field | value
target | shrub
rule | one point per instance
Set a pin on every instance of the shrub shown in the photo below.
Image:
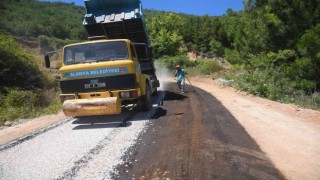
(28, 104)
(232, 56)
(209, 67)
(172, 61)
(19, 99)
(52, 43)
(17, 68)
(25, 91)
(198, 67)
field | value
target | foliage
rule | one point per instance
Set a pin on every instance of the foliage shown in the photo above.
(216, 47)
(19, 104)
(171, 61)
(52, 43)
(164, 32)
(270, 77)
(30, 18)
(199, 67)
(17, 68)
(25, 90)
(295, 17)
(277, 45)
(309, 46)
(208, 67)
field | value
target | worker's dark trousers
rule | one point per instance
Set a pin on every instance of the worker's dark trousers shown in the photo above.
(181, 85)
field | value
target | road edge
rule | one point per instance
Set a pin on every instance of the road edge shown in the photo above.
(33, 134)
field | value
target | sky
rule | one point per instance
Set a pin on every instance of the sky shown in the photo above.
(195, 7)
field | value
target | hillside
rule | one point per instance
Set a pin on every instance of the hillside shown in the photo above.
(30, 18)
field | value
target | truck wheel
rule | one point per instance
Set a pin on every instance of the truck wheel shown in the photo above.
(155, 92)
(146, 103)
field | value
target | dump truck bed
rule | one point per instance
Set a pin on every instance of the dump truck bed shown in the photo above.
(116, 19)
(120, 19)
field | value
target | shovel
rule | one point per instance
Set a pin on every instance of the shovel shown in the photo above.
(190, 84)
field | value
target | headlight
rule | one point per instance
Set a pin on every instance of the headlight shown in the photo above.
(125, 95)
(128, 94)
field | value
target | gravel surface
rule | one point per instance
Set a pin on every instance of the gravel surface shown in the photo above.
(32, 135)
(49, 155)
(112, 150)
(86, 148)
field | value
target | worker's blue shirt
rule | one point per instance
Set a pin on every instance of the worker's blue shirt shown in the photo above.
(180, 74)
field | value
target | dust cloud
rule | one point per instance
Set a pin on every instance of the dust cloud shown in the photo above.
(164, 74)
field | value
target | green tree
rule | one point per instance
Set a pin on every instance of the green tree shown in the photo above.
(295, 17)
(309, 45)
(216, 47)
(31, 18)
(164, 31)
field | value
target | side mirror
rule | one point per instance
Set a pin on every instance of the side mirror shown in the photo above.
(57, 76)
(47, 60)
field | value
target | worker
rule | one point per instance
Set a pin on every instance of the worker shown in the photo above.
(180, 77)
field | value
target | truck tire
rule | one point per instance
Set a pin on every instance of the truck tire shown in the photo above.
(146, 102)
(155, 92)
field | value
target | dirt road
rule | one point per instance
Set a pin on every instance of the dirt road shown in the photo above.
(213, 133)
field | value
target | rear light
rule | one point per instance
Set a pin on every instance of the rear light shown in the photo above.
(66, 97)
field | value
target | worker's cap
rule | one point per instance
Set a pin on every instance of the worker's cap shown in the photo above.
(178, 66)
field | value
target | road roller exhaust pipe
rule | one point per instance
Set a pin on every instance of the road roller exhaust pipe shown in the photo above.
(90, 107)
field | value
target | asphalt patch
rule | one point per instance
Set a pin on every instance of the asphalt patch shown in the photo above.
(172, 96)
(159, 112)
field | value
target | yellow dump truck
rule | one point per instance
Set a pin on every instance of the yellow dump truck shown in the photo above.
(114, 67)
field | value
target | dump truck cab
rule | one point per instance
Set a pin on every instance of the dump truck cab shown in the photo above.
(114, 67)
